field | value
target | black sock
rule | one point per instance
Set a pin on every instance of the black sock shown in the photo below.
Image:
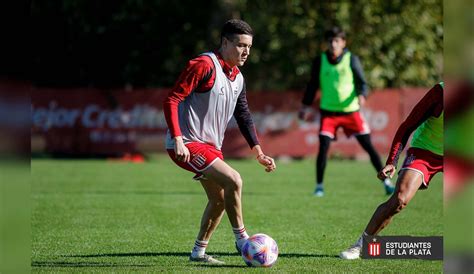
(366, 143)
(324, 142)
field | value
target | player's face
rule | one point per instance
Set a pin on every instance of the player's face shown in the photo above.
(336, 46)
(236, 51)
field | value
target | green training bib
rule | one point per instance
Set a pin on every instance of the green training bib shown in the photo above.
(337, 85)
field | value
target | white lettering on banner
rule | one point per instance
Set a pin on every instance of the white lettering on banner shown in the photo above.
(93, 116)
(108, 137)
(145, 116)
(265, 122)
(378, 120)
(275, 121)
(46, 118)
(311, 139)
(86, 117)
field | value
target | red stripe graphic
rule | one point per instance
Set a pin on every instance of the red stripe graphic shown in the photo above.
(374, 249)
(239, 230)
(200, 244)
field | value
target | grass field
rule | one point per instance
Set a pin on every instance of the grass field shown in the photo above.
(102, 216)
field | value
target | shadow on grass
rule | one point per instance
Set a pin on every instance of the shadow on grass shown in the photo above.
(147, 254)
(82, 264)
(158, 254)
(222, 266)
(306, 255)
(107, 192)
(146, 192)
(102, 264)
(186, 254)
(284, 255)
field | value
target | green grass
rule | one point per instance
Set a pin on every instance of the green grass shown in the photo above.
(100, 216)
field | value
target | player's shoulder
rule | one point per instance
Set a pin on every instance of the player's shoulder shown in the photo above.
(435, 95)
(203, 59)
(354, 56)
(201, 62)
(437, 89)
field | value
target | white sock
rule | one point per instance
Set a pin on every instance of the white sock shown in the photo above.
(240, 235)
(199, 248)
(320, 184)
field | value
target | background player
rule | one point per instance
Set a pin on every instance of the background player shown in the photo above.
(343, 91)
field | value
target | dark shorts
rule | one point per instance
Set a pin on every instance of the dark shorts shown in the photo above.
(352, 124)
(424, 162)
(202, 157)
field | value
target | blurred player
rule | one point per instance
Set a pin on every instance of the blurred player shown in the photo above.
(343, 91)
(424, 159)
(209, 92)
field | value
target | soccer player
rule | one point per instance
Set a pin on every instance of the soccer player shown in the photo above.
(339, 74)
(424, 159)
(209, 92)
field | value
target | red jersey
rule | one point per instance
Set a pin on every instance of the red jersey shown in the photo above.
(200, 76)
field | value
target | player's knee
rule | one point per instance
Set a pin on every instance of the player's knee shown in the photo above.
(401, 203)
(235, 181)
(394, 205)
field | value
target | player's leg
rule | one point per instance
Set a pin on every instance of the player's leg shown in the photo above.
(321, 161)
(203, 156)
(408, 183)
(213, 211)
(231, 183)
(366, 143)
(210, 220)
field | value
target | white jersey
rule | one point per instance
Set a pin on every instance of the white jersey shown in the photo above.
(203, 117)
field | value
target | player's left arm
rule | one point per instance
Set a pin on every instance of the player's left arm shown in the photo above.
(265, 160)
(247, 127)
(360, 83)
(430, 105)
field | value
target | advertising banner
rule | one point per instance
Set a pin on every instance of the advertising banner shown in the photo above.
(88, 121)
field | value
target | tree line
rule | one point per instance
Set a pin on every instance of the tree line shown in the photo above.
(147, 43)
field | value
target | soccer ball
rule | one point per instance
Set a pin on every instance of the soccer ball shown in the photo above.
(260, 250)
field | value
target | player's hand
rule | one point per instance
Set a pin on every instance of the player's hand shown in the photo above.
(304, 113)
(180, 150)
(362, 100)
(267, 161)
(387, 172)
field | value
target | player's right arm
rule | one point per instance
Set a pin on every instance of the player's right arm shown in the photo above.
(196, 71)
(311, 89)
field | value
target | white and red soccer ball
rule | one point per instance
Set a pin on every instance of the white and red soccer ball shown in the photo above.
(260, 250)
